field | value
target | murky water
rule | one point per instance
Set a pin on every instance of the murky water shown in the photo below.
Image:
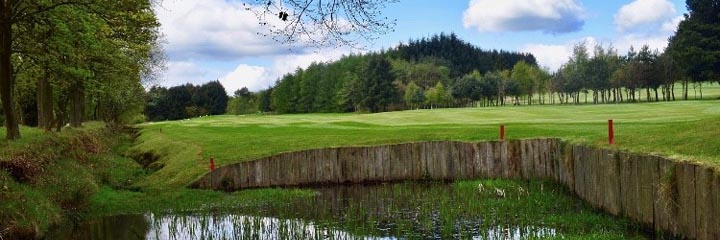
(465, 210)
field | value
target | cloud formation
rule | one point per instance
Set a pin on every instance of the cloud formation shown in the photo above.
(182, 72)
(548, 16)
(552, 56)
(644, 14)
(212, 29)
(258, 77)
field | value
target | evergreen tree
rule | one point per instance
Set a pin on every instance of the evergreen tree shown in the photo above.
(696, 46)
(376, 84)
(216, 98)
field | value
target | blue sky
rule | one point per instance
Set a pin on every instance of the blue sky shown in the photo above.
(217, 39)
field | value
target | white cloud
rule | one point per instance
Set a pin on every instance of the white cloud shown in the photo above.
(644, 14)
(630, 34)
(212, 29)
(258, 77)
(672, 25)
(182, 72)
(252, 77)
(552, 56)
(655, 42)
(549, 16)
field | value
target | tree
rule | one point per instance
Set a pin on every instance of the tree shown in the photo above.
(465, 89)
(242, 102)
(413, 96)
(437, 96)
(599, 67)
(265, 100)
(523, 73)
(13, 12)
(576, 71)
(668, 73)
(156, 101)
(488, 87)
(695, 46)
(350, 95)
(285, 95)
(458, 56)
(83, 56)
(178, 99)
(216, 98)
(376, 84)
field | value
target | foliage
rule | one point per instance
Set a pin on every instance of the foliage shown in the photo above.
(243, 102)
(185, 101)
(695, 46)
(376, 87)
(72, 61)
(413, 95)
(338, 86)
(461, 57)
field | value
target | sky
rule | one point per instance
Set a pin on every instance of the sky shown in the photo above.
(207, 40)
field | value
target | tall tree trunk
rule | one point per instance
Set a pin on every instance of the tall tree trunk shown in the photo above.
(6, 71)
(77, 106)
(701, 96)
(60, 111)
(656, 95)
(45, 103)
(672, 90)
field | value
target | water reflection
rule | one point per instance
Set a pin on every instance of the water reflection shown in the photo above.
(386, 211)
(151, 226)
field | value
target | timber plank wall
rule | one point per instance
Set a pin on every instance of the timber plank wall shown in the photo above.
(675, 197)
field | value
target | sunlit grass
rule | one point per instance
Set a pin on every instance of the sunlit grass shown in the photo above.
(685, 130)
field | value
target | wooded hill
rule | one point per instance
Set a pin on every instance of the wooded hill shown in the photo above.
(377, 81)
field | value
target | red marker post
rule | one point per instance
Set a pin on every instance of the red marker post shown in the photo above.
(502, 132)
(212, 164)
(611, 132)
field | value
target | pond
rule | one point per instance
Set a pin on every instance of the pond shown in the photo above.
(481, 209)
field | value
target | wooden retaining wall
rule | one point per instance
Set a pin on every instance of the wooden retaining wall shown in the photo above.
(674, 197)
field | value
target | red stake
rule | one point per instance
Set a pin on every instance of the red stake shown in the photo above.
(611, 132)
(212, 164)
(502, 132)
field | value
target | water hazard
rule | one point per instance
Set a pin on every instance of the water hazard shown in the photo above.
(488, 209)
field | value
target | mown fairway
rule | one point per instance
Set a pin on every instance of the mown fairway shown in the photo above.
(685, 130)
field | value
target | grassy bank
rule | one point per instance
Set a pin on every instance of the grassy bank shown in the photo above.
(107, 181)
(684, 130)
(49, 177)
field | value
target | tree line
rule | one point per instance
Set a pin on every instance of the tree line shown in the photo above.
(185, 101)
(377, 81)
(67, 61)
(443, 71)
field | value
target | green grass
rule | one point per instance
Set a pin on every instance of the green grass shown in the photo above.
(32, 135)
(685, 130)
(53, 178)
